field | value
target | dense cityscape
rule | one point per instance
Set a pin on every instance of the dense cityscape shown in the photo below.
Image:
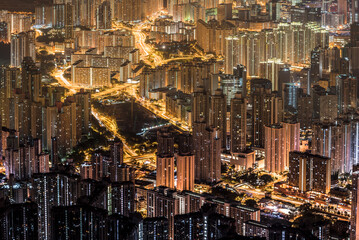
(179, 119)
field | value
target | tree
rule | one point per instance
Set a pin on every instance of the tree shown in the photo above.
(225, 193)
(305, 208)
(306, 222)
(251, 203)
(47, 67)
(224, 168)
(266, 178)
(44, 52)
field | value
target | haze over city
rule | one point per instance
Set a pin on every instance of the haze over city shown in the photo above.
(179, 119)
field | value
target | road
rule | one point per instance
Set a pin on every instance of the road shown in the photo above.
(152, 107)
(149, 53)
(111, 91)
(297, 202)
(111, 125)
(130, 155)
(59, 76)
(131, 90)
(104, 120)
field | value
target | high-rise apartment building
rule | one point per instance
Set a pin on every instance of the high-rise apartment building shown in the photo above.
(354, 34)
(238, 121)
(90, 76)
(206, 223)
(22, 45)
(267, 109)
(284, 77)
(78, 222)
(16, 22)
(4, 32)
(207, 141)
(122, 198)
(165, 159)
(347, 88)
(322, 138)
(355, 11)
(163, 202)
(200, 106)
(207, 149)
(270, 70)
(309, 172)
(127, 227)
(59, 15)
(165, 171)
(235, 48)
(43, 15)
(130, 10)
(117, 152)
(155, 228)
(9, 80)
(275, 149)
(118, 171)
(280, 139)
(305, 111)
(272, 47)
(19, 221)
(238, 212)
(104, 16)
(212, 36)
(22, 161)
(185, 172)
(218, 115)
(69, 21)
(83, 109)
(233, 84)
(292, 137)
(290, 96)
(338, 141)
(49, 190)
(185, 160)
